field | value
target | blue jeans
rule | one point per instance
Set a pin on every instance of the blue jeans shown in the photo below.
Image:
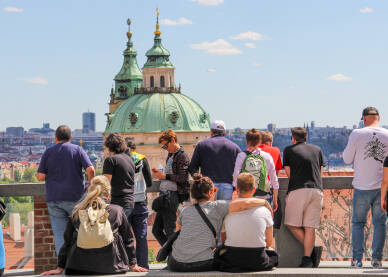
(225, 191)
(2, 249)
(138, 220)
(363, 201)
(60, 212)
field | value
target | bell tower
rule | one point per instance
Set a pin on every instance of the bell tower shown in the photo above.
(158, 71)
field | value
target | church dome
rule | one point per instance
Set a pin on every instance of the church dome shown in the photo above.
(157, 112)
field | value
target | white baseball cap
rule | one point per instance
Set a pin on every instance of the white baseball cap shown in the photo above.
(218, 125)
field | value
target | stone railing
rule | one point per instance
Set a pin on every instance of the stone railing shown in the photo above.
(334, 233)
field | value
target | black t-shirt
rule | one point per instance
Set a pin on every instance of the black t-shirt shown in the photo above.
(305, 161)
(386, 162)
(122, 169)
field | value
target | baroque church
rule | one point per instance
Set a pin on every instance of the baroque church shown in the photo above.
(144, 103)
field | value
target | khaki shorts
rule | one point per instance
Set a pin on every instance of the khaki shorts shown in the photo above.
(303, 208)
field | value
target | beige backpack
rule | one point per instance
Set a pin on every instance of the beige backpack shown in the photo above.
(94, 230)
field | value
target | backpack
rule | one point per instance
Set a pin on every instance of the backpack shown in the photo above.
(94, 230)
(140, 184)
(256, 165)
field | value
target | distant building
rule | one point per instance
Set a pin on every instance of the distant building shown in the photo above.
(271, 127)
(361, 124)
(45, 130)
(312, 125)
(88, 122)
(15, 131)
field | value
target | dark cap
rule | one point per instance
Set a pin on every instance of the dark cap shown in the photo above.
(369, 111)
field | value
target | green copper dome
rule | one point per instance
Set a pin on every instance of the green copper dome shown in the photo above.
(157, 112)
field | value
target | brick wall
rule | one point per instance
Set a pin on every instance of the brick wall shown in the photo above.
(45, 256)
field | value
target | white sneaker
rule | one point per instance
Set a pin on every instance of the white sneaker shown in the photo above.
(376, 263)
(355, 264)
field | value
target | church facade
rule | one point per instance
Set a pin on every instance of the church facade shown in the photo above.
(144, 103)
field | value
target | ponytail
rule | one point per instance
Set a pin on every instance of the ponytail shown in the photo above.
(99, 190)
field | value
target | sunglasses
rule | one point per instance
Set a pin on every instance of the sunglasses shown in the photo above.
(215, 189)
(165, 146)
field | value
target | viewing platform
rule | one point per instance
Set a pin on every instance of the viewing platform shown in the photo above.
(334, 235)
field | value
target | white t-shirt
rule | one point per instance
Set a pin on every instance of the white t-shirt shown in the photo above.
(367, 149)
(247, 228)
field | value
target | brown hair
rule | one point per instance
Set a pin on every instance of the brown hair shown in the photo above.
(168, 136)
(299, 134)
(253, 137)
(245, 182)
(115, 143)
(266, 137)
(200, 187)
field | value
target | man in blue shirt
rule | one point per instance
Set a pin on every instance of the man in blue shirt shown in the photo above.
(216, 157)
(61, 167)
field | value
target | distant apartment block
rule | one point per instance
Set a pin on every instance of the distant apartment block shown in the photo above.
(15, 131)
(88, 122)
(271, 127)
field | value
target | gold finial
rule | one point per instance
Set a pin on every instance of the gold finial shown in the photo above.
(157, 32)
(129, 34)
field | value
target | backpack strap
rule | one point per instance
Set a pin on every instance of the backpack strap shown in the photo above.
(206, 219)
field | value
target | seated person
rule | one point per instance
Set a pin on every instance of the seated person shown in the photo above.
(116, 257)
(193, 249)
(246, 235)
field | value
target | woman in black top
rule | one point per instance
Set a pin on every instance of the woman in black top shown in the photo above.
(116, 257)
(120, 170)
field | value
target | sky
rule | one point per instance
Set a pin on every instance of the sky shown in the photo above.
(247, 62)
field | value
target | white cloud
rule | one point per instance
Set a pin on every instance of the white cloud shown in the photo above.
(250, 45)
(367, 10)
(256, 64)
(209, 2)
(248, 36)
(211, 70)
(339, 77)
(291, 86)
(12, 10)
(217, 47)
(36, 80)
(260, 97)
(181, 21)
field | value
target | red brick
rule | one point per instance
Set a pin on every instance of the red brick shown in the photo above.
(38, 240)
(41, 205)
(47, 225)
(38, 212)
(44, 247)
(48, 240)
(39, 269)
(45, 212)
(53, 261)
(42, 233)
(48, 254)
(38, 226)
(41, 261)
(38, 255)
(50, 267)
(41, 219)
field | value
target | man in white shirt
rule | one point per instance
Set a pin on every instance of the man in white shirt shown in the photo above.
(247, 234)
(367, 149)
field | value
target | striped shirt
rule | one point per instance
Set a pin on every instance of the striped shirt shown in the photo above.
(196, 241)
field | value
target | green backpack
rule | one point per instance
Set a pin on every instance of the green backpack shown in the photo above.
(256, 165)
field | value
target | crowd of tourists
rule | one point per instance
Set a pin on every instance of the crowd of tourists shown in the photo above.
(229, 199)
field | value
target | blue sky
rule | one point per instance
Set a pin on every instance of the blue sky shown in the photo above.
(248, 62)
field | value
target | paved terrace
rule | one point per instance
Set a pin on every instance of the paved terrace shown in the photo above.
(326, 269)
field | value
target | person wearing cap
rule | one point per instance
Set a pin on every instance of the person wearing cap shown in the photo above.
(367, 149)
(216, 157)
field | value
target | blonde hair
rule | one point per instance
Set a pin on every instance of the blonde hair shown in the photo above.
(98, 190)
(245, 182)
